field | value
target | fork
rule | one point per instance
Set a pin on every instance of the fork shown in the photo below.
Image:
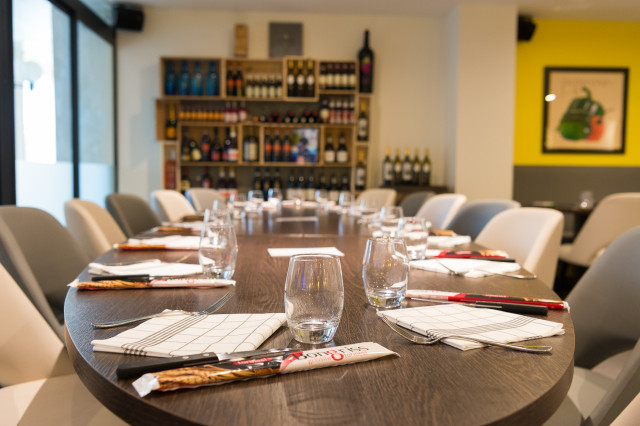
(422, 340)
(211, 309)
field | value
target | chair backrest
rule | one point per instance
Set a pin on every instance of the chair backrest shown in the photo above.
(474, 215)
(530, 235)
(412, 202)
(29, 348)
(612, 216)
(92, 226)
(203, 198)
(605, 303)
(42, 257)
(132, 213)
(170, 206)
(381, 196)
(441, 208)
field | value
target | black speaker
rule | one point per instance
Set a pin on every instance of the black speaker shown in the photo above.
(526, 28)
(129, 17)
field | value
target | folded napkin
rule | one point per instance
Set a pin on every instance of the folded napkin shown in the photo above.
(297, 219)
(153, 267)
(171, 242)
(305, 204)
(448, 241)
(194, 226)
(460, 320)
(285, 252)
(179, 334)
(471, 268)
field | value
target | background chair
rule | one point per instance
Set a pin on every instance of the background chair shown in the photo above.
(606, 378)
(42, 256)
(132, 213)
(441, 208)
(170, 206)
(92, 226)
(203, 198)
(474, 215)
(381, 196)
(612, 216)
(40, 386)
(530, 235)
(412, 202)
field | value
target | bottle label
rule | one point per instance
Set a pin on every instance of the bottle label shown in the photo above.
(361, 175)
(416, 169)
(362, 129)
(426, 168)
(342, 156)
(330, 156)
(232, 155)
(387, 172)
(406, 172)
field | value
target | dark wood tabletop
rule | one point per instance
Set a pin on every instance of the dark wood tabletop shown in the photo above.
(421, 385)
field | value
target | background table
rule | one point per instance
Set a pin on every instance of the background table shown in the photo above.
(422, 385)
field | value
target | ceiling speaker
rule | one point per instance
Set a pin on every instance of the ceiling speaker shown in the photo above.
(129, 17)
(526, 28)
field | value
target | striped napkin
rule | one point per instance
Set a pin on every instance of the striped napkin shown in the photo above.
(178, 334)
(460, 320)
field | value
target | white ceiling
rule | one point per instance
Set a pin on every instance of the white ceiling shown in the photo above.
(592, 10)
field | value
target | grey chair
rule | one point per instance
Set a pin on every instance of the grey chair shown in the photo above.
(412, 202)
(132, 213)
(474, 215)
(203, 198)
(604, 309)
(42, 257)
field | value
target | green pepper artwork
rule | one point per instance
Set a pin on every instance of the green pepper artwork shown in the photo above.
(583, 120)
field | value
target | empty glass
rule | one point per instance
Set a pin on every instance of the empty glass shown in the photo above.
(345, 201)
(389, 218)
(274, 198)
(385, 271)
(219, 213)
(313, 297)
(218, 249)
(256, 198)
(414, 232)
(322, 198)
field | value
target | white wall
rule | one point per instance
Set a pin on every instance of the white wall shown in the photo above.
(408, 81)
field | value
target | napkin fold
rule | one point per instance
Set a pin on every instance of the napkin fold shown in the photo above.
(178, 334)
(471, 268)
(285, 252)
(460, 320)
(171, 242)
(448, 241)
(153, 267)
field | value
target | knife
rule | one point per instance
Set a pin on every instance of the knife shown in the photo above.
(138, 368)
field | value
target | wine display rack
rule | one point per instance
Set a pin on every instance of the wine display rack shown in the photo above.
(265, 102)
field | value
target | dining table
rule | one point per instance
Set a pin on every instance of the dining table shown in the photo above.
(418, 385)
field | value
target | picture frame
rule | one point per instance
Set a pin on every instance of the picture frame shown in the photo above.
(584, 110)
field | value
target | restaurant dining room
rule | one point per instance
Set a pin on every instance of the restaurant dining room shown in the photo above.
(203, 201)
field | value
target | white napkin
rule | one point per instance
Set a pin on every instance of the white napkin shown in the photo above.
(448, 241)
(305, 204)
(192, 226)
(182, 334)
(471, 268)
(456, 319)
(153, 267)
(171, 242)
(285, 252)
(297, 219)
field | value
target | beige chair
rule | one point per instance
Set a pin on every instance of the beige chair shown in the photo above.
(612, 216)
(604, 310)
(40, 386)
(530, 235)
(203, 198)
(92, 226)
(379, 196)
(132, 213)
(171, 206)
(441, 208)
(42, 256)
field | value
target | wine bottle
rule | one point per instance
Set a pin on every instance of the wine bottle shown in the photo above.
(266, 183)
(310, 83)
(170, 126)
(216, 148)
(205, 146)
(311, 188)
(334, 192)
(345, 182)
(206, 178)
(239, 82)
(417, 168)
(407, 167)
(279, 86)
(246, 143)
(226, 146)
(170, 171)
(257, 180)
(324, 111)
(231, 82)
(170, 80)
(363, 123)
(264, 86)
(361, 172)
(271, 89)
(213, 84)
(221, 185)
(322, 78)
(387, 168)
(329, 152)
(276, 147)
(194, 150)
(232, 184)
(426, 169)
(365, 60)
(342, 155)
(196, 80)
(249, 93)
(267, 146)
(185, 80)
(276, 183)
(291, 80)
(330, 77)
(185, 182)
(397, 168)
(253, 148)
(291, 184)
(286, 148)
(232, 153)
(352, 76)
(300, 80)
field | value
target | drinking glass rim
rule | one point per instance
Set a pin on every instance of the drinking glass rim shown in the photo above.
(312, 256)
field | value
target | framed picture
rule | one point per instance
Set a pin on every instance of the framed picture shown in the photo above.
(584, 110)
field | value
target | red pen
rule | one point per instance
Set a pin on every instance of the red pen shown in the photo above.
(471, 297)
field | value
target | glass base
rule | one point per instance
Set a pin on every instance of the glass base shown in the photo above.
(385, 299)
(313, 331)
(218, 273)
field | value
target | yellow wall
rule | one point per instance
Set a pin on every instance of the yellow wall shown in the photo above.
(574, 44)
